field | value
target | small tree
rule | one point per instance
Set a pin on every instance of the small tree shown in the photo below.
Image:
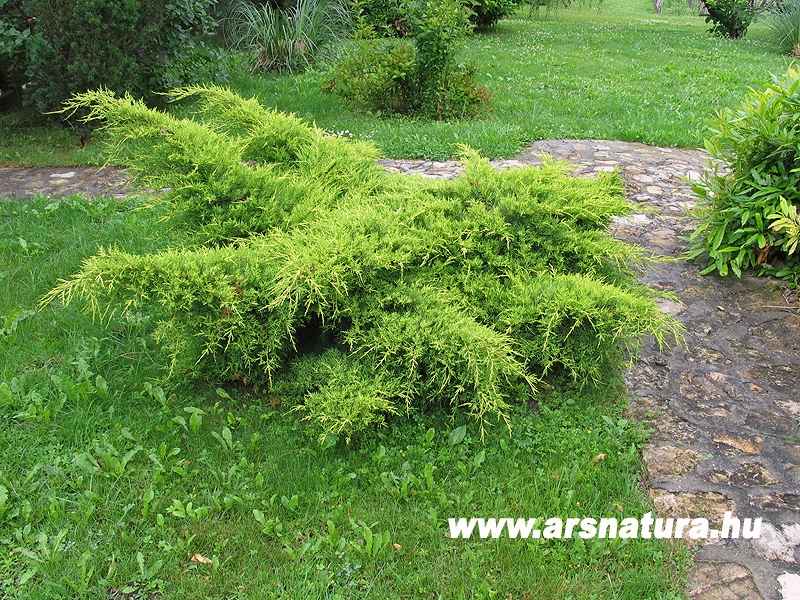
(417, 76)
(437, 27)
(731, 18)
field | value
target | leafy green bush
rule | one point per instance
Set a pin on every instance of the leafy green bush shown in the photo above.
(383, 18)
(370, 293)
(731, 18)
(132, 46)
(784, 22)
(437, 26)
(285, 40)
(15, 32)
(377, 74)
(488, 12)
(759, 142)
(395, 76)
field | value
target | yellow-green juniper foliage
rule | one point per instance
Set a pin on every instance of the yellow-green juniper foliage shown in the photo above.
(310, 269)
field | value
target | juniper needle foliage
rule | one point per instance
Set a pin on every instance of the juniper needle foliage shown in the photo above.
(310, 269)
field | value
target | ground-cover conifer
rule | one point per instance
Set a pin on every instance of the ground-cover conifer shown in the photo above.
(361, 293)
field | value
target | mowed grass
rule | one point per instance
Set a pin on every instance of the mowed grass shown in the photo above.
(621, 73)
(112, 480)
(28, 140)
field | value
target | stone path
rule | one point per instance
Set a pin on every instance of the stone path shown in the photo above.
(724, 410)
(18, 182)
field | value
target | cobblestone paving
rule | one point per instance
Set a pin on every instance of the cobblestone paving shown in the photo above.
(724, 409)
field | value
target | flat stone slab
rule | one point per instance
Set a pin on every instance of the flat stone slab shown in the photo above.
(21, 183)
(721, 581)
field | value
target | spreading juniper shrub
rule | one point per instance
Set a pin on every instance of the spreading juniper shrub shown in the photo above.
(310, 269)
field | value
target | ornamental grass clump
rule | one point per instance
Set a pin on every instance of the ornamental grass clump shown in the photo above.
(783, 19)
(363, 294)
(286, 39)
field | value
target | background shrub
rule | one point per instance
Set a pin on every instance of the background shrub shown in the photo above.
(286, 39)
(418, 76)
(15, 31)
(136, 46)
(383, 18)
(378, 294)
(488, 12)
(730, 18)
(759, 142)
(377, 74)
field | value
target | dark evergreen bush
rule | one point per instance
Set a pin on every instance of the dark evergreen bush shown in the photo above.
(15, 30)
(730, 18)
(138, 46)
(419, 75)
(488, 12)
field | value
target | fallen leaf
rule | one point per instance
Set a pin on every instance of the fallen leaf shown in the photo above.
(598, 457)
(199, 558)
(397, 546)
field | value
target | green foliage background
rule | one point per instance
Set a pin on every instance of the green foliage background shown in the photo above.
(138, 46)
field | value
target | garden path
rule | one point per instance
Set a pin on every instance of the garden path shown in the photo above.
(724, 410)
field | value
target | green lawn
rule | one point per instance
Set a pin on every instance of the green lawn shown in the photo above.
(623, 73)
